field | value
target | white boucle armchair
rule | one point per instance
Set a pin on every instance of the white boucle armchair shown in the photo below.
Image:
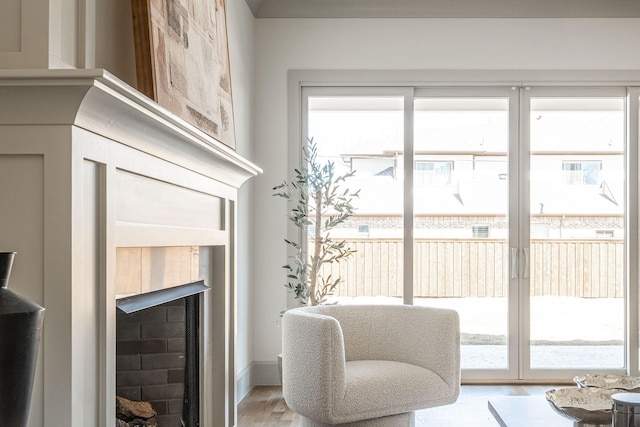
(369, 365)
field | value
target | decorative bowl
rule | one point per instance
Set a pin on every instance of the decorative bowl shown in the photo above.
(609, 382)
(582, 405)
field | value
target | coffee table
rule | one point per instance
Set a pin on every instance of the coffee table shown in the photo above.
(526, 411)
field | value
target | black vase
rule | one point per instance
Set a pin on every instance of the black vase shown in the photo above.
(20, 328)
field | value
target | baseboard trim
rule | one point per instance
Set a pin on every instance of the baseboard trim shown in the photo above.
(265, 373)
(243, 383)
(256, 373)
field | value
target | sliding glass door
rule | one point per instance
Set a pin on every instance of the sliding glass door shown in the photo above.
(462, 219)
(574, 239)
(509, 205)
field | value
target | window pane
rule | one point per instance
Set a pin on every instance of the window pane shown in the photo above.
(582, 173)
(461, 229)
(365, 135)
(577, 233)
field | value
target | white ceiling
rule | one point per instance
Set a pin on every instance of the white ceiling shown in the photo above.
(445, 8)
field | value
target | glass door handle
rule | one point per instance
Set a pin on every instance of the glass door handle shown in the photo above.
(525, 273)
(514, 263)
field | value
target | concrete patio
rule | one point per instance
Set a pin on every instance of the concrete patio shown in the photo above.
(568, 332)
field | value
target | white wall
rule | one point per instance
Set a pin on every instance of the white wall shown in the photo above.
(240, 30)
(393, 44)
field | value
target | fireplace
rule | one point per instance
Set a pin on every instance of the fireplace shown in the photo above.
(158, 334)
(158, 358)
(115, 197)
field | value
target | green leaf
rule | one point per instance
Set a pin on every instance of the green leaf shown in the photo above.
(318, 200)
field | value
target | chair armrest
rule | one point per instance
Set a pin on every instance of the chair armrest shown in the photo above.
(313, 363)
(423, 336)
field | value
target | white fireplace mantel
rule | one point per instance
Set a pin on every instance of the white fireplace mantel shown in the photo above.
(90, 165)
(99, 102)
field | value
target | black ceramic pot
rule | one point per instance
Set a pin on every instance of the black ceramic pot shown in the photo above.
(20, 327)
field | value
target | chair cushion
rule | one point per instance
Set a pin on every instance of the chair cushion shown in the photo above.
(377, 388)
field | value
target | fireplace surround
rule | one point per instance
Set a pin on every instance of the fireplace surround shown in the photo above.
(98, 174)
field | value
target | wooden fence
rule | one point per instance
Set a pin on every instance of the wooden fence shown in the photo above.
(480, 268)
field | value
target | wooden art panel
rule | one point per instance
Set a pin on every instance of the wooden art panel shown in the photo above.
(182, 61)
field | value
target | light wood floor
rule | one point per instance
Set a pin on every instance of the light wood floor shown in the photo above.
(265, 407)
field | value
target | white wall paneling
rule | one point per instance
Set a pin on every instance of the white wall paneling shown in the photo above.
(78, 148)
(24, 26)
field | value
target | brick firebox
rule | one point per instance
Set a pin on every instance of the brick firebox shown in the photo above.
(152, 358)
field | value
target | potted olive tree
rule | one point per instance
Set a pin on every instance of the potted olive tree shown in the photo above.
(320, 202)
